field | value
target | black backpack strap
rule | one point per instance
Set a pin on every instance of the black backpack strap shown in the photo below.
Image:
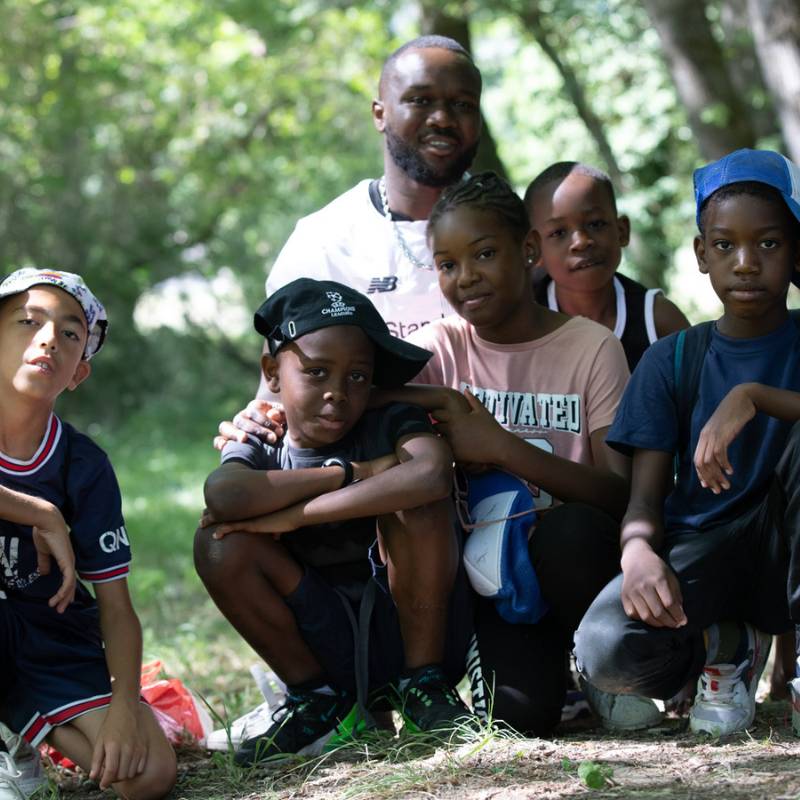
(690, 353)
(691, 346)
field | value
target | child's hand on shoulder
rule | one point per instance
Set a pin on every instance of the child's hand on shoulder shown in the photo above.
(51, 540)
(262, 419)
(120, 751)
(471, 431)
(454, 403)
(711, 454)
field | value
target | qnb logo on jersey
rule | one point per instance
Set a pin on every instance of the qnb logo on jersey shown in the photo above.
(387, 284)
(338, 308)
(111, 541)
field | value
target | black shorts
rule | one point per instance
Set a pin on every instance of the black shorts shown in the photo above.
(326, 627)
(53, 666)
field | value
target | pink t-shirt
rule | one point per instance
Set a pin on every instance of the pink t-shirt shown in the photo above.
(554, 392)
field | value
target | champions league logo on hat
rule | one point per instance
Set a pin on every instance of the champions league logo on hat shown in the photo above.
(338, 307)
(306, 305)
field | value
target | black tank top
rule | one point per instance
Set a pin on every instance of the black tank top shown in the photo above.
(635, 328)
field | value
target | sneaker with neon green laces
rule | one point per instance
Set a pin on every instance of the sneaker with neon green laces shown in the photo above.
(430, 704)
(304, 725)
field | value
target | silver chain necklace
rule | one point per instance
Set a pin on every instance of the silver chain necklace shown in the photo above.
(398, 234)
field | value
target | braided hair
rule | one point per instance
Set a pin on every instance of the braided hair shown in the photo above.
(485, 191)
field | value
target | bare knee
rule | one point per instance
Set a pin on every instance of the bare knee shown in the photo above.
(425, 528)
(226, 565)
(219, 561)
(432, 518)
(155, 782)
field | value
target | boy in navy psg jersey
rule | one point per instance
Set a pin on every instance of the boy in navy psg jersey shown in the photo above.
(70, 661)
(711, 564)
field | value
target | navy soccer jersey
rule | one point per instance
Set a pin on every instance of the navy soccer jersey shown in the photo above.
(647, 419)
(75, 475)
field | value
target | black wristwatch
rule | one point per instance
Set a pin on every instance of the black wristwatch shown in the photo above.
(345, 465)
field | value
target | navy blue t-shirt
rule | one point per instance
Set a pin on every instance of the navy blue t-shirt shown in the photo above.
(75, 475)
(647, 419)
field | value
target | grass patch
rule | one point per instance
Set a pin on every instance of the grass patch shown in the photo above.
(161, 463)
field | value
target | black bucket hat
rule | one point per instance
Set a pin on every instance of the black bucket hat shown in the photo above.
(306, 305)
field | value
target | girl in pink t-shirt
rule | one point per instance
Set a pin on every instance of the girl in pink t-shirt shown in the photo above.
(532, 392)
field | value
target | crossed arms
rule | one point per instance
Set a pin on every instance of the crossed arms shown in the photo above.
(279, 501)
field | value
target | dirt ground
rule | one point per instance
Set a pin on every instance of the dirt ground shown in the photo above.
(666, 762)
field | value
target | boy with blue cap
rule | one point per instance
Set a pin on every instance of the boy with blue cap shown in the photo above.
(336, 614)
(711, 564)
(70, 659)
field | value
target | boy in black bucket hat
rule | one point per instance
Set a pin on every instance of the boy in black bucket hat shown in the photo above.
(334, 612)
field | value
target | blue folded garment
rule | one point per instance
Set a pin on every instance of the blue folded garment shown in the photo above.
(502, 512)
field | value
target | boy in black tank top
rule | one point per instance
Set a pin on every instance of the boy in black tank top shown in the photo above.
(573, 207)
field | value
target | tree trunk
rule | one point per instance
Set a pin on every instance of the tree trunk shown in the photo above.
(776, 28)
(534, 21)
(744, 67)
(437, 21)
(717, 115)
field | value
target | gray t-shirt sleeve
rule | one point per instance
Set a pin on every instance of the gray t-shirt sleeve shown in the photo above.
(252, 453)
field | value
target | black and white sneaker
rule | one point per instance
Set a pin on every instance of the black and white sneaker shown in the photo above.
(303, 725)
(428, 703)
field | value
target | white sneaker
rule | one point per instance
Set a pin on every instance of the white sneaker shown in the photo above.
(27, 761)
(622, 712)
(9, 779)
(258, 720)
(575, 705)
(726, 693)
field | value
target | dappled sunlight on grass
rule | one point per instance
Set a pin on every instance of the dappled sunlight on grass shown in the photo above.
(161, 472)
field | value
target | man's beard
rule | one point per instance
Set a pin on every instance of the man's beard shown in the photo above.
(414, 165)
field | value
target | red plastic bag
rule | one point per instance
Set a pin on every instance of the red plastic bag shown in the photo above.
(179, 713)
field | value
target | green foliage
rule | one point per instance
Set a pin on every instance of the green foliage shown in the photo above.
(141, 141)
(593, 774)
(145, 140)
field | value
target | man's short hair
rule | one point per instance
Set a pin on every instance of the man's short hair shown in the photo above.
(557, 172)
(430, 42)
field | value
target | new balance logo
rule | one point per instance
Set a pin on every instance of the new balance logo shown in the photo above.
(387, 284)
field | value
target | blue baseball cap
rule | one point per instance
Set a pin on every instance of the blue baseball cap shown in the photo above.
(760, 166)
(496, 557)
